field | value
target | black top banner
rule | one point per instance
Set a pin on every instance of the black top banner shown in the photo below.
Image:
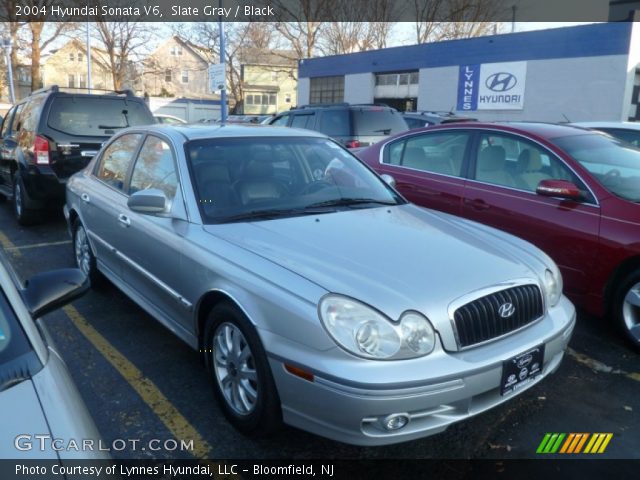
(317, 10)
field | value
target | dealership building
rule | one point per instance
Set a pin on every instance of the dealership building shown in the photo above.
(581, 73)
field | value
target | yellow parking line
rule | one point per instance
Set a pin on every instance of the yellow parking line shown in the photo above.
(8, 245)
(150, 393)
(599, 366)
(38, 245)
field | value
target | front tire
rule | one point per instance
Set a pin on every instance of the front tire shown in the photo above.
(626, 305)
(240, 373)
(85, 260)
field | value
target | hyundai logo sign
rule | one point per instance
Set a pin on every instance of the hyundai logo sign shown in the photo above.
(506, 310)
(501, 82)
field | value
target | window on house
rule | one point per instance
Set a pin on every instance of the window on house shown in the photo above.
(167, 76)
(185, 76)
(71, 57)
(327, 90)
(176, 50)
(71, 81)
(79, 56)
(261, 99)
(287, 98)
(274, 76)
(82, 80)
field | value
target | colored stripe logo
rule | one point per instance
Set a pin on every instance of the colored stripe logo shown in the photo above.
(574, 443)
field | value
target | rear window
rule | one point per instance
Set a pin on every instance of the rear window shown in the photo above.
(96, 116)
(335, 123)
(376, 122)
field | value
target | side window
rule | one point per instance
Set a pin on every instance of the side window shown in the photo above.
(116, 160)
(31, 113)
(6, 121)
(438, 152)
(516, 163)
(395, 153)
(281, 121)
(155, 168)
(13, 126)
(303, 121)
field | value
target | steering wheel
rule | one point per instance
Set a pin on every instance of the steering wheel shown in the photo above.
(315, 186)
(612, 177)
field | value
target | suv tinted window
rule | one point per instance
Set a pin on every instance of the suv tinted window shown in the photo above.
(303, 121)
(30, 115)
(334, 123)
(6, 121)
(116, 159)
(96, 116)
(377, 121)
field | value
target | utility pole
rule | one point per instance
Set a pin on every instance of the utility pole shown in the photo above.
(6, 44)
(223, 91)
(88, 59)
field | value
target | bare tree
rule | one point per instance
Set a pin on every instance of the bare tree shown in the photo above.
(42, 34)
(12, 28)
(122, 39)
(451, 19)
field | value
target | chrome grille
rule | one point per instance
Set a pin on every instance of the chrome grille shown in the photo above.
(480, 320)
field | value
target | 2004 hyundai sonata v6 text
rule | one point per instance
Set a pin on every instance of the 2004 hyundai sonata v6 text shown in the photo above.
(317, 295)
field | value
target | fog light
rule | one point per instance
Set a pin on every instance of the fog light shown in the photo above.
(395, 421)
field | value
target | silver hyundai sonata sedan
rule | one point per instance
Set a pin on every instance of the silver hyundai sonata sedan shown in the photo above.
(317, 295)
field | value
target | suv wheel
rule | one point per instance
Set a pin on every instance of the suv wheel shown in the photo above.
(23, 215)
(626, 304)
(240, 373)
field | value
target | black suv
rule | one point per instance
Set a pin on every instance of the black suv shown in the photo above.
(353, 125)
(52, 134)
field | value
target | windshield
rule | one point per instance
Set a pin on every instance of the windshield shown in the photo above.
(267, 177)
(614, 163)
(17, 358)
(96, 116)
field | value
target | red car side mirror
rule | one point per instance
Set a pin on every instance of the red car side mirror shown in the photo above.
(559, 188)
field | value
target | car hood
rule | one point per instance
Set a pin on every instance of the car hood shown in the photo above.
(392, 258)
(22, 415)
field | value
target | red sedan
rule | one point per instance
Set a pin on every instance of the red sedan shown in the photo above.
(572, 192)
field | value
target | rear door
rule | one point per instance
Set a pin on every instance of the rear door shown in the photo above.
(8, 144)
(429, 168)
(501, 193)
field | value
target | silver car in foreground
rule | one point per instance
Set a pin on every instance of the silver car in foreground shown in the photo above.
(42, 411)
(315, 292)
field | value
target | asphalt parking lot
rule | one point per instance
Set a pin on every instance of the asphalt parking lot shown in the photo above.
(141, 382)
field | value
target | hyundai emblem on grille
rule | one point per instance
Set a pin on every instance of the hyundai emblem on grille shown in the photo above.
(506, 310)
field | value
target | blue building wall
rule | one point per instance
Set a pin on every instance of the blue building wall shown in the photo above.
(569, 42)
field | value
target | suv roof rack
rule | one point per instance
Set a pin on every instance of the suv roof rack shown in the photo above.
(56, 88)
(370, 105)
(322, 105)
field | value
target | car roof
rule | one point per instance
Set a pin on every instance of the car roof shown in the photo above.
(622, 125)
(540, 129)
(232, 130)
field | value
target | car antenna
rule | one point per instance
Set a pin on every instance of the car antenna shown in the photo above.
(566, 118)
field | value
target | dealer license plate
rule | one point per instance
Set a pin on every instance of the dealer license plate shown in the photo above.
(521, 370)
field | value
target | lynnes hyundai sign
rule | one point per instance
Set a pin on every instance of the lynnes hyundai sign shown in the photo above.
(492, 86)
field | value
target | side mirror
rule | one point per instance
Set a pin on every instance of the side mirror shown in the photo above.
(150, 200)
(49, 291)
(558, 188)
(389, 180)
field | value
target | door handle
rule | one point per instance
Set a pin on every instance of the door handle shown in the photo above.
(477, 204)
(123, 219)
(85, 197)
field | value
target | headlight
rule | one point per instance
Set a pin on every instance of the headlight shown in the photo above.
(552, 287)
(361, 330)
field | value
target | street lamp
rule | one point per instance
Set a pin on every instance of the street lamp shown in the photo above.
(7, 45)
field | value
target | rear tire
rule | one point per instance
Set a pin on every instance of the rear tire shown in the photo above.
(240, 372)
(626, 308)
(85, 259)
(24, 215)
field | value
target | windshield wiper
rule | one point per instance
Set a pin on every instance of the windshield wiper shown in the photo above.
(346, 202)
(110, 127)
(272, 213)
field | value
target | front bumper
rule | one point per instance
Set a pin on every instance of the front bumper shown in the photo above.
(348, 402)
